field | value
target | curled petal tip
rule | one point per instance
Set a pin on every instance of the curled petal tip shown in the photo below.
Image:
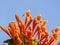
(1, 27)
(58, 27)
(28, 11)
(40, 15)
(16, 15)
(45, 20)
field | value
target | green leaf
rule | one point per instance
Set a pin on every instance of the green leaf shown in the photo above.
(10, 42)
(26, 42)
(38, 44)
(34, 43)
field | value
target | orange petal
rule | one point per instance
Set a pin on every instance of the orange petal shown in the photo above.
(4, 29)
(17, 18)
(19, 41)
(28, 23)
(38, 32)
(44, 23)
(51, 40)
(46, 40)
(10, 30)
(12, 25)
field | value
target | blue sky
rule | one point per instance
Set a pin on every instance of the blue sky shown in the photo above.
(50, 10)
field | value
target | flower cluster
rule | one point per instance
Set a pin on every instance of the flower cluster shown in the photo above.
(31, 32)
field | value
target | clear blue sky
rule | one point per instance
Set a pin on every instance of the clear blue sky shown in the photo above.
(50, 10)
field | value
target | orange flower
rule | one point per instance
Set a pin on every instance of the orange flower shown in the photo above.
(29, 35)
(36, 21)
(38, 32)
(28, 19)
(43, 26)
(51, 40)
(29, 32)
(45, 42)
(37, 28)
